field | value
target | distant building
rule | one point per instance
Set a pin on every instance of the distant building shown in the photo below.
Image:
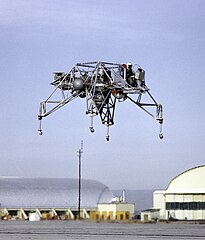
(150, 215)
(184, 198)
(16, 192)
(54, 198)
(115, 211)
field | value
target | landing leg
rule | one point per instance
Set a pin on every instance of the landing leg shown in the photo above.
(40, 131)
(160, 132)
(92, 130)
(108, 134)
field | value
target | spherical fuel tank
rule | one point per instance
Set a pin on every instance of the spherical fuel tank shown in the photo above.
(78, 84)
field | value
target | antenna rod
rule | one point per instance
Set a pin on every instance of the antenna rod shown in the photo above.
(80, 151)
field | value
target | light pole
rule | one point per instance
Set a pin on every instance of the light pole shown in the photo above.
(80, 151)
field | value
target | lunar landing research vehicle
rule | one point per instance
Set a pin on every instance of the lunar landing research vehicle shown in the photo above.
(101, 84)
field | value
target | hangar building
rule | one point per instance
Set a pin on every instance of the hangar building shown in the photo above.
(184, 198)
(57, 198)
(51, 192)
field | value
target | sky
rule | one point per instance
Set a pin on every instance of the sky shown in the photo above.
(165, 37)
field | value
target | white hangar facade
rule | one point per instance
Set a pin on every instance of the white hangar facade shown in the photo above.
(184, 198)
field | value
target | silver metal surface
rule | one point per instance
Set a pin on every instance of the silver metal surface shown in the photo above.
(102, 84)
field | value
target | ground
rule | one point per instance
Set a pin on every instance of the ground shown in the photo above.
(65, 230)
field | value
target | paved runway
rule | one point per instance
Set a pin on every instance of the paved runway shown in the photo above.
(65, 230)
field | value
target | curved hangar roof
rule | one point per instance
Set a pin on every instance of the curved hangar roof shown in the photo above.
(190, 181)
(51, 193)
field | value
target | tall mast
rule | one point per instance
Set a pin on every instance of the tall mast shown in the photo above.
(80, 151)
